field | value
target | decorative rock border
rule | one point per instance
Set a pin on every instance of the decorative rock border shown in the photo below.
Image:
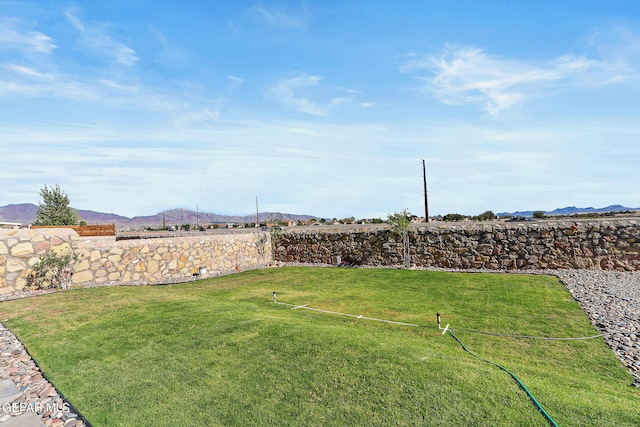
(37, 394)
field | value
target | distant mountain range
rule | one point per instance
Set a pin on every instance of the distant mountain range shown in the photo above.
(26, 213)
(570, 210)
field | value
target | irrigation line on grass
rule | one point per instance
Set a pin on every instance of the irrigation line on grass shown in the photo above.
(295, 307)
(518, 381)
(530, 337)
(476, 331)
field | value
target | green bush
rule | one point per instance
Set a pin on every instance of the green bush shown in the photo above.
(400, 223)
(487, 216)
(53, 270)
(453, 217)
(54, 208)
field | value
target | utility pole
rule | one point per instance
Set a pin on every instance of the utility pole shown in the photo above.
(257, 220)
(426, 202)
(197, 217)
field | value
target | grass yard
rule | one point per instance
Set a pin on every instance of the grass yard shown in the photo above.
(220, 352)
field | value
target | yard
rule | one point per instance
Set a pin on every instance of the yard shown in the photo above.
(220, 352)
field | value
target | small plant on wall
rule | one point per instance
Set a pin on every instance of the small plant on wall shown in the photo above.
(276, 235)
(53, 270)
(400, 223)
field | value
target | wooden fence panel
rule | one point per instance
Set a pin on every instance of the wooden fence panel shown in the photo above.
(86, 230)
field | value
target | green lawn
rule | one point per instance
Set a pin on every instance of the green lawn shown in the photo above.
(220, 352)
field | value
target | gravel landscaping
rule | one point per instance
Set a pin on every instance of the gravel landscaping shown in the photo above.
(36, 394)
(611, 299)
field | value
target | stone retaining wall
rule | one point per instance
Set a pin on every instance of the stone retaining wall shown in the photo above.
(583, 244)
(586, 244)
(103, 260)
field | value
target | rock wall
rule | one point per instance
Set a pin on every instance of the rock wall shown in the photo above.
(592, 244)
(583, 244)
(103, 260)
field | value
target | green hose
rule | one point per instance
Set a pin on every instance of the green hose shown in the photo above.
(526, 390)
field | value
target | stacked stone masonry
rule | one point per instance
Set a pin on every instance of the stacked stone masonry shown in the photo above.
(585, 244)
(105, 261)
(582, 244)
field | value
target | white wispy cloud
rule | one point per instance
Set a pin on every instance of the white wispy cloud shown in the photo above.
(278, 19)
(29, 72)
(112, 94)
(25, 81)
(310, 94)
(75, 21)
(97, 40)
(619, 50)
(194, 118)
(468, 75)
(170, 52)
(234, 82)
(15, 35)
(288, 91)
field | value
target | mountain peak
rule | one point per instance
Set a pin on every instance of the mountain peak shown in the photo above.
(571, 210)
(26, 213)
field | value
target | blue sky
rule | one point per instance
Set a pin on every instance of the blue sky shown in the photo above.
(321, 107)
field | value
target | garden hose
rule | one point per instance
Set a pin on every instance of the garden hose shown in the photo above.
(450, 330)
(517, 380)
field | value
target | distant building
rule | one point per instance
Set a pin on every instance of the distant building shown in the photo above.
(11, 225)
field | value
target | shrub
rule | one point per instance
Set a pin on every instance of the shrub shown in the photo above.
(276, 235)
(53, 270)
(453, 217)
(487, 216)
(54, 208)
(400, 223)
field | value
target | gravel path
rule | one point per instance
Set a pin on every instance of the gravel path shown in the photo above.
(611, 299)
